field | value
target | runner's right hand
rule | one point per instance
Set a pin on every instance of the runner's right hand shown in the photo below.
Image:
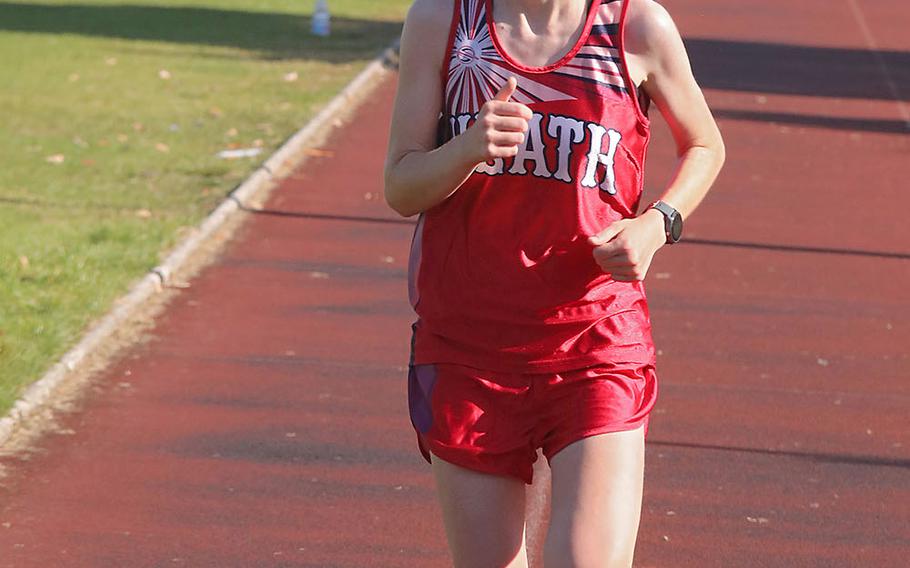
(500, 127)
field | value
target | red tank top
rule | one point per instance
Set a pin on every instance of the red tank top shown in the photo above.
(501, 275)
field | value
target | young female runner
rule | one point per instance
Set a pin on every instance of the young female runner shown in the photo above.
(519, 137)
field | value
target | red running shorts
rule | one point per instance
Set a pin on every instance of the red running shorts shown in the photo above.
(493, 422)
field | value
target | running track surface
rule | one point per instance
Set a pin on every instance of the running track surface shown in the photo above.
(266, 424)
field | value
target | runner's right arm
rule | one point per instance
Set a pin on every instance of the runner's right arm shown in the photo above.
(418, 175)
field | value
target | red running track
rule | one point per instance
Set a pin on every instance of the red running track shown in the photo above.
(266, 424)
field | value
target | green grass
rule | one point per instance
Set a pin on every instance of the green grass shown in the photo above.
(138, 98)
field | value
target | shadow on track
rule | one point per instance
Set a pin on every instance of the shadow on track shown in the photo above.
(271, 35)
(798, 70)
(883, 126)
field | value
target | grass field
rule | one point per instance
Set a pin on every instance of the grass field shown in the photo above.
(112, 115)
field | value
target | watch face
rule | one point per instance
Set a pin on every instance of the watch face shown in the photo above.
(676, 228)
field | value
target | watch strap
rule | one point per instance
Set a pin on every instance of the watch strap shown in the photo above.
(670, 216)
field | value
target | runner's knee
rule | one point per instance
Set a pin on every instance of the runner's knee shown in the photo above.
(579, 548)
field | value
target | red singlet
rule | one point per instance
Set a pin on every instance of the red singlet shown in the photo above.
(501, 275)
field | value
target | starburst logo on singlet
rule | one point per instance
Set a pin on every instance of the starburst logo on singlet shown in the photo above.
(476, 70)
(467, 54)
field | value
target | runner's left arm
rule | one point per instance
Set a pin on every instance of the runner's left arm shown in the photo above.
(653, 43)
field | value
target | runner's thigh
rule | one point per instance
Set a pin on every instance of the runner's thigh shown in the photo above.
(596, 503)
(483, 516)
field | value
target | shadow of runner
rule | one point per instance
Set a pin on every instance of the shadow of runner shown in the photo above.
(798, 70)
(272, 35)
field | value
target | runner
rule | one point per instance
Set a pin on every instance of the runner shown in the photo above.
(519, 137)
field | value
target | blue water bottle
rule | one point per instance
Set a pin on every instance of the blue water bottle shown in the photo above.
(322, 21)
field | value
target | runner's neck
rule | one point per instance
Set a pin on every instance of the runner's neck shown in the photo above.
(538, 33)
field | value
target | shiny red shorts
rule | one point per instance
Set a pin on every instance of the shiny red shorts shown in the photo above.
(494, 422)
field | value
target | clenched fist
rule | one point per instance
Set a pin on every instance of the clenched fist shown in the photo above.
(500, 127)
(625, 248)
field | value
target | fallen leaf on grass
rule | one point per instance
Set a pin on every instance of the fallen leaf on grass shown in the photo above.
(55, 159)
(143, 213)
(232, 132)
(239, 153)
(216, 112)
(122, 138)
(162, 147)
(164, 74)
(110, 61)
(138, 127)
(73, 77)
(23, 261)
(291, 77)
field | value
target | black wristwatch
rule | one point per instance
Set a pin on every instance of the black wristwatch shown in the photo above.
(673, 222)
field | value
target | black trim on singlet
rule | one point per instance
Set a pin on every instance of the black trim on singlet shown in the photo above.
(593, 81)
(598, 57)
(605, 30)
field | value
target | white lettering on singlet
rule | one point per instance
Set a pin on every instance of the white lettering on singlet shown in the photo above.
(564, 135)
(596, 156)
(532, 149)
(568, 131)
(460, 123)
(493, 168)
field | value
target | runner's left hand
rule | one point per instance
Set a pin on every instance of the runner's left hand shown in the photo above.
(625, 248)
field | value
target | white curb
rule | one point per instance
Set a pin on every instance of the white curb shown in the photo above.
(291, 154)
